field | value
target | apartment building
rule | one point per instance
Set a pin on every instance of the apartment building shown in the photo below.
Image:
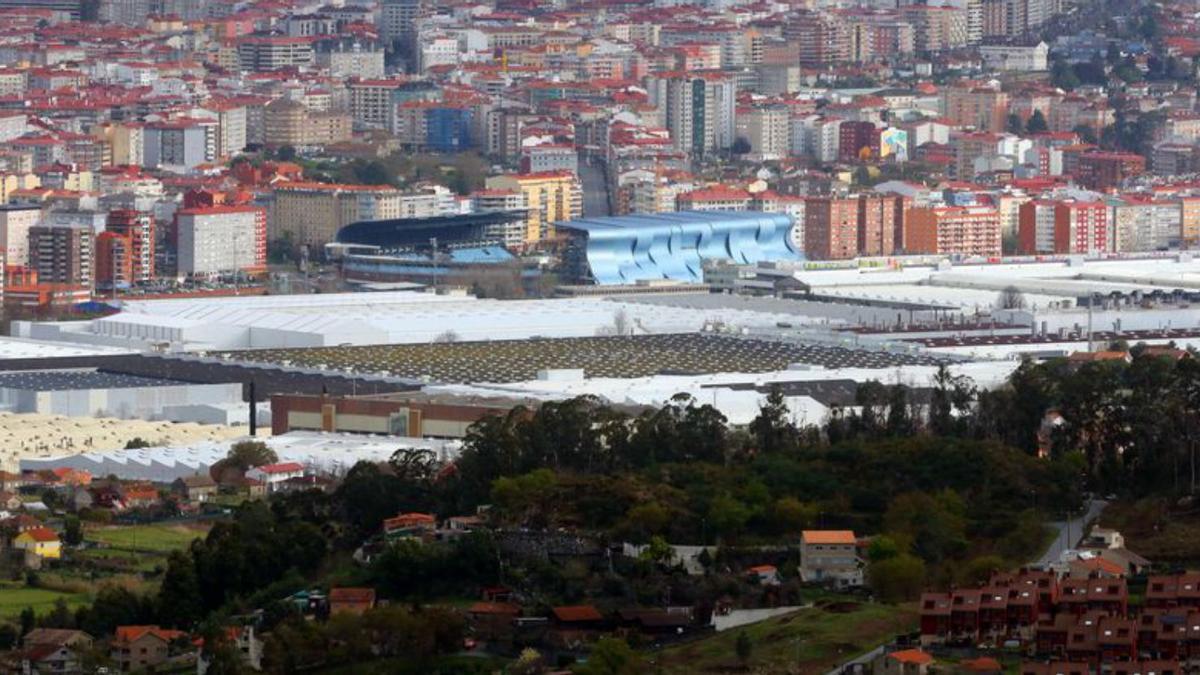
(551, 196)
(15, 222)
(220, 240)
(312, 213)
(962, 230)
(62, 254)
(699, 110)
(138, 226)
(831, 228)
(260, 53)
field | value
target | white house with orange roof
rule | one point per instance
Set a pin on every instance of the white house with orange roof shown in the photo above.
(830, 556)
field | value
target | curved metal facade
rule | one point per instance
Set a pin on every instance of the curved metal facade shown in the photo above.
(628, 249)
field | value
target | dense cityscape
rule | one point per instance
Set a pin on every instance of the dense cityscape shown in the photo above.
(835, 337)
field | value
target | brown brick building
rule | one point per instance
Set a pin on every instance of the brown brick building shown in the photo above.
(831, 228)
(399, 414)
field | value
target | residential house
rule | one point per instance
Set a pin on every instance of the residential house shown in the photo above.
(141, 647)
(274, 474)
(1103, 537)
(351, 600)
(198, 488)
(764, 575)
(40, 542)
(409, 525)
(830, 556)
(493, 620)
(9, 501)
(1093, 566)
(577, 617)
(53, 650)
(904, 662)
(12, 481)
(247, 643)
(72, 477)
(140, 496)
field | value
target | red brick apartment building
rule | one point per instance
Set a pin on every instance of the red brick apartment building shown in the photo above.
(1074, 626)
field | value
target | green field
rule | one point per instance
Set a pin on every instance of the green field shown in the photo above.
(153, 538)
(138, 561)
(809, 641)
(13, 599)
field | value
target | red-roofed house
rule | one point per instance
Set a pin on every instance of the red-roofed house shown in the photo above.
(39, 541)
(351, 600)
(140, 647)
(905, 662)
(274, 474)
(409, 524)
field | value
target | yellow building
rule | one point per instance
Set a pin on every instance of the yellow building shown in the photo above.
(551, 196)
(125, 142)
(11, 181)
(313, 212)
(39, 541)
(288, 122)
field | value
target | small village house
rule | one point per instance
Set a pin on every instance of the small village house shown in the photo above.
(351, 600)
(40, 542)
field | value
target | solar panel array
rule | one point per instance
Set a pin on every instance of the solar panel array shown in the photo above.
(619, 357)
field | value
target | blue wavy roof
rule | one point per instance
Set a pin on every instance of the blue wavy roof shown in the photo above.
(628, 249)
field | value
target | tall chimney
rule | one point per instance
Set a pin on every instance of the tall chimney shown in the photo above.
(253, 411)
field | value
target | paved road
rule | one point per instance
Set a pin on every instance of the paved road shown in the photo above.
(595, 189)
(1062, 541)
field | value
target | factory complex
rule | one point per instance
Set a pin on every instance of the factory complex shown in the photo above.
(337, 372)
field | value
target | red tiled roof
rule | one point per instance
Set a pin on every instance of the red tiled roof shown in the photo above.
(354, 595)
(913, 656)
(42, 534)
(576, 613)
(282, 467)
(500, 608)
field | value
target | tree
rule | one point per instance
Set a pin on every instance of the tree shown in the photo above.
(744, 647)
(1014, 124)
(72, 531)
(8, 636)
(882, 548)
(1036, 123)
(1086, 134)
(136, 443)
(898, 578)
(612, 656)
(791, 515)
(657, 551)
(220, 654)
(646, 520)
(249, 454)
(772, 429)
(1010, 298)
(179, 601)
(286, 153)
(1063, 76)
(242, 456)
(741, 146)
(728, 515)
(28, 619)
(373, 172)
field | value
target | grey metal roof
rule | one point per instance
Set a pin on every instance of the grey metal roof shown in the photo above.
(65, 380)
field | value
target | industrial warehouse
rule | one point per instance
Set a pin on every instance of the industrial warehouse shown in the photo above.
(426, 362)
